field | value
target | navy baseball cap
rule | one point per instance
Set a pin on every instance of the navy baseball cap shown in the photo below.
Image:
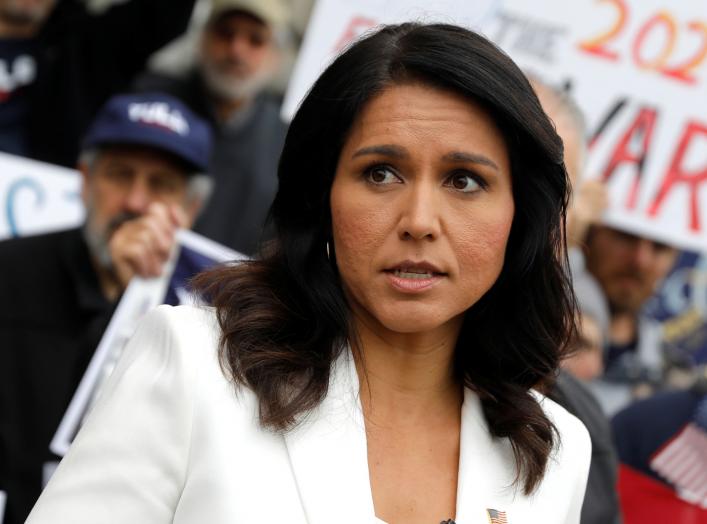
(153, 120)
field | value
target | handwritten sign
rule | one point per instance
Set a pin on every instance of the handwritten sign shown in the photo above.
(36, 197)
(638, 69)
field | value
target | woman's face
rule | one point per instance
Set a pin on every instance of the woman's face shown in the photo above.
(421, 208)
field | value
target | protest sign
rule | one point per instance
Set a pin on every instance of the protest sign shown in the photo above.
(193, 254)
(36, 197)
(638, 69)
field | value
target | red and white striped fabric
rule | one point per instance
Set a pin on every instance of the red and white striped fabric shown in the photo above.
(683, 462)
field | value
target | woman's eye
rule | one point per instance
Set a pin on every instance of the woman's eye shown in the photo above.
(381, 175)
(464, 182)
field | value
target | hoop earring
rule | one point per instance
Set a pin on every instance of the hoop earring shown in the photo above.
(328, 255)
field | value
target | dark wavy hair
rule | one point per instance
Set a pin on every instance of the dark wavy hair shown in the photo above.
(284, 316)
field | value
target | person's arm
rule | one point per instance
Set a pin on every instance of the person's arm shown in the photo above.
(128, 33)
(128, 462)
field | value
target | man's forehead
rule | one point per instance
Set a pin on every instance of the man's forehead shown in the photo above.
(129, 154)
(623, 234)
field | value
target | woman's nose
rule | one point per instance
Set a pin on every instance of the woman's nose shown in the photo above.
(420, 214)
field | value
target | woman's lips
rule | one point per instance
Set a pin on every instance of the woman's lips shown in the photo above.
(413, 277)
(415, 284)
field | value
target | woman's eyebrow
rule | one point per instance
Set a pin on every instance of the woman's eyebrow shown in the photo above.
(473, 158)
(389, 150)
(394, 151)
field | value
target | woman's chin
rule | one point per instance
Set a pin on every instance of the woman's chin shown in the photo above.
(410, 322)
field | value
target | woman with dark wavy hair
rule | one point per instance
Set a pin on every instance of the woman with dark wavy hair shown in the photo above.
(384, 359)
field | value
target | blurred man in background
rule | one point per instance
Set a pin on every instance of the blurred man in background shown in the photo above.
(629, 268)
(142, 168)
(59, 64)
(239, 55)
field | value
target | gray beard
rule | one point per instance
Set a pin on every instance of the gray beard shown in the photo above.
(226, 88)
(97, 247)
(98, 240)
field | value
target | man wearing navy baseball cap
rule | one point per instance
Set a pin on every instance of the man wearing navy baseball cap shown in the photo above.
(143, 164)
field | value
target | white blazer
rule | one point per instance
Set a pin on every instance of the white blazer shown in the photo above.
(170, 440)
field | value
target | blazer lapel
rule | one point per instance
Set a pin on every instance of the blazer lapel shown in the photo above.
(328, 454)
(484, 479)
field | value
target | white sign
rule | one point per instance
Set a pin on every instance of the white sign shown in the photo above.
(36, 197)
(638, 68)
(193, 254)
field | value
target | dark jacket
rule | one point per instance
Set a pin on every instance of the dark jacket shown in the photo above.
(601, 502)
(52, 315)
(83, 59)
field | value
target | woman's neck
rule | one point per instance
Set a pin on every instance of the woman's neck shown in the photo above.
(412, 411)
(407, 379)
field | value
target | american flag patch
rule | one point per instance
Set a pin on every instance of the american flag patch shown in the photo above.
(496, 517)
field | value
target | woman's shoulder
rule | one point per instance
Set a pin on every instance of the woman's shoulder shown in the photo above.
(192, 316)
(179, 337)
(182, 323)
(573, 442)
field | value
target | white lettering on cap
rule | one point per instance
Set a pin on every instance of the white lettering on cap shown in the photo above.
(159, 114)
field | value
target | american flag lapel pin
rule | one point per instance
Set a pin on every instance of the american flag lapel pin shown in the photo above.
(496, 517)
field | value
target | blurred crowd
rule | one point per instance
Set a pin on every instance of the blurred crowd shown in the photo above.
(170, 110)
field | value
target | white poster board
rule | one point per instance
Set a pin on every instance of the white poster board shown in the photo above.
(36, 197)
(638, 69)
(141, 296)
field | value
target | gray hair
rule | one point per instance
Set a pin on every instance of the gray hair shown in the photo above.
(199, 185)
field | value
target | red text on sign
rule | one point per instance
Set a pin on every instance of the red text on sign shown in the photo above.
(632, 148)
(693, 31)
(355, 28)
(678, 174)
